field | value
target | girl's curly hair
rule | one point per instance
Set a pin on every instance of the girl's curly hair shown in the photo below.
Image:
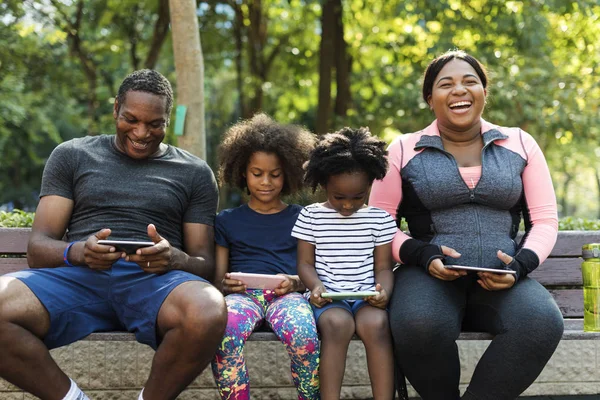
(291, 143)
(346, 151)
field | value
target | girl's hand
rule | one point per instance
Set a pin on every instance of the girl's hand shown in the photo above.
(316, 299)
(291, 284)
(491, 281)
(381, 300)
(229, 285)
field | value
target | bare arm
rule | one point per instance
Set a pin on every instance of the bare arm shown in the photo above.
(308, 273)
(384, 277)
(46, 247)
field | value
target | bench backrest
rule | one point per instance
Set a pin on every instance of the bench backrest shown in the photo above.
(560, 273)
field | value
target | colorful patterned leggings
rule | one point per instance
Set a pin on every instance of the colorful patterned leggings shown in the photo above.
(291, 318)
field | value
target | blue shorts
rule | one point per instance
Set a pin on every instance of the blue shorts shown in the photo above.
(352, 306)
(81, 301)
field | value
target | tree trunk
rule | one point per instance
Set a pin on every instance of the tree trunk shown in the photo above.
(598, 186)
(238, 32)
(161, 29)
(342, 64)
(326, 53)
(189, 66)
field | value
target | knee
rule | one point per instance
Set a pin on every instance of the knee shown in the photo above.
(544, 329)
(205, 315)
(376, 325)
(337, 323)
(429, 331)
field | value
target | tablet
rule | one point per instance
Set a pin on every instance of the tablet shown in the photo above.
(496, 271)
(126, 246)
(258, 281)
(348, 295)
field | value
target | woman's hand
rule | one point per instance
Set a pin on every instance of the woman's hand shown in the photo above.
(381, 300)
(229, 285)
(292, 283)
(437, 270)
(492, 281)
(316, 299)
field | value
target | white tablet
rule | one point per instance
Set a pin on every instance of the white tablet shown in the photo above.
(494, 270)
(348, 295)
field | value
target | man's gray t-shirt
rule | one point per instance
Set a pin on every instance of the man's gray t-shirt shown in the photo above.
(113, 190)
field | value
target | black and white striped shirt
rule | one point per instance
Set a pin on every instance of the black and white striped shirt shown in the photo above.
(344, 245)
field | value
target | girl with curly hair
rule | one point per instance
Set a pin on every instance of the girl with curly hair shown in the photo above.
(265, 159)
(345, 246)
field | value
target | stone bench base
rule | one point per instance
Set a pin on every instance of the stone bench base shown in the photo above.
(117, 370)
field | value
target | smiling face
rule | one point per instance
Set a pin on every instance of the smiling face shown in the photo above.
(141, 122)
(264, 179)
(457, 97)
(347, 193)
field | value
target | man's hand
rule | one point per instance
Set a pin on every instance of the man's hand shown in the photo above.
(229, 285)
(98, 256)
(156, 259)
(491, 281)
(292, 283)
(381, 300)
(436, 267)
(316, 299)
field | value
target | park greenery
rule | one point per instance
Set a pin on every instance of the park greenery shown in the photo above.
(23, 219)
(324, 64)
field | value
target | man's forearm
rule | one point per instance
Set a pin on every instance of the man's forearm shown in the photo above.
(45, 252)
(203, 267)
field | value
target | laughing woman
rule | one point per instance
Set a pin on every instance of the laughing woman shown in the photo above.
(463, 185)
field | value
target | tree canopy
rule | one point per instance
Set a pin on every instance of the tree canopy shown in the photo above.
(325, 64)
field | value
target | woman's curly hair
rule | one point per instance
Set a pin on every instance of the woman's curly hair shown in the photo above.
(346, 151)
(291, 143)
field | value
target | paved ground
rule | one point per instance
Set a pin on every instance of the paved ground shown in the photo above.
(587, 397)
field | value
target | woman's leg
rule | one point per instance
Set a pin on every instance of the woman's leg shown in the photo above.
(528, 326)
(292, 320)
(373, 327)
(425, 320)
(244, 313)
(337, 327)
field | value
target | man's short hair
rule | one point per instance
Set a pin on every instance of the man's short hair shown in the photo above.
(149, 81)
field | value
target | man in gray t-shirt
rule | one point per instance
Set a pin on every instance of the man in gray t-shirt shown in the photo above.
(128, 186)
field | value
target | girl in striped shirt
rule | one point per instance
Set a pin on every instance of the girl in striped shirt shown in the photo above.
(345, 246)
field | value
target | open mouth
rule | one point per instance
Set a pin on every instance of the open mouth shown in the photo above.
(460, 105)
(138, 145)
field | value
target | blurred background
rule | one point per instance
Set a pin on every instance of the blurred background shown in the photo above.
(322, 64)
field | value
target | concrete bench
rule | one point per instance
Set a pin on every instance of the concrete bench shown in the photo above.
(560, 274)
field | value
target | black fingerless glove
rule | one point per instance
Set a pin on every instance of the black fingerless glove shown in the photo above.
(417, 252)
(523, 263)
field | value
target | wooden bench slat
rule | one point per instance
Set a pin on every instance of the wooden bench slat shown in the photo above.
(570, 242)
(12, 264)
(559, 272)
(14, 240)
(570, 301)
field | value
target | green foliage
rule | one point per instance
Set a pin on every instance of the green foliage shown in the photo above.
(16, 219)
(542, 55)
(578, 224)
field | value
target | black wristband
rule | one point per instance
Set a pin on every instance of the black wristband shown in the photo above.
(417, 252)
(523, 263)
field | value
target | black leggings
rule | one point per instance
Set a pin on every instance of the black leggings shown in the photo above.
(426, 317)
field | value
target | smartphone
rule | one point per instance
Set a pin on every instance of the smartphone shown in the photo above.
(258, 281)
(494, 270)
(348, 295)
(126, 246)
